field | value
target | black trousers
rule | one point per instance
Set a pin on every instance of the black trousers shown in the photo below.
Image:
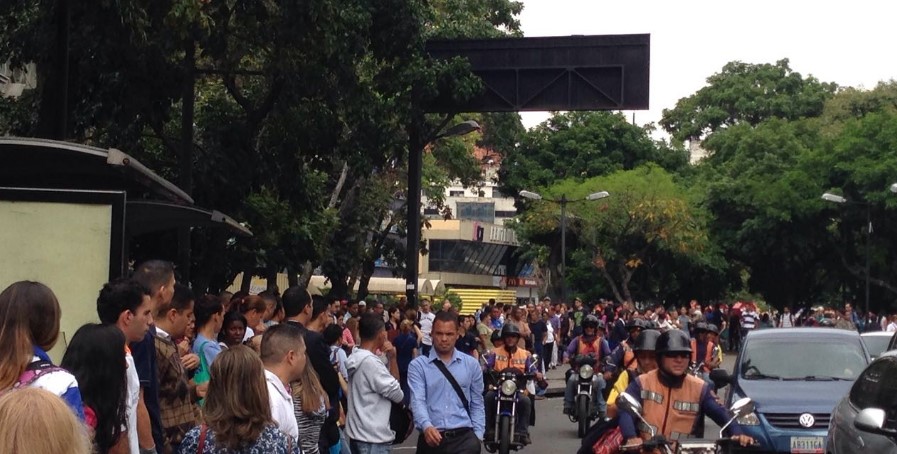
(462, 441)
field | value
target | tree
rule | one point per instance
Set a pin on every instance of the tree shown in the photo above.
(647, 220)
(746, 93)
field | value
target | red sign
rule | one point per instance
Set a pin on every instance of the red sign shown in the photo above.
(522, 282)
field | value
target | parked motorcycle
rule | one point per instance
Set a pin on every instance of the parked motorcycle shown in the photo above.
(509, 386)
(658, 444)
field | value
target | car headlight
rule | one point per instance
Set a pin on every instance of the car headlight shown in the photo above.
(508, 387)
(586, 371)
(749, 419)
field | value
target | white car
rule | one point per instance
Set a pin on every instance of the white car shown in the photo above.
(878, 342)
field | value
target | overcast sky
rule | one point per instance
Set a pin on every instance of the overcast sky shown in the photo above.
(850, 43)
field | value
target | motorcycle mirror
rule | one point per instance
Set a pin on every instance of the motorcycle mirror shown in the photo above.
(535, 358)
(873, 420)
(629, 403)
(742, 406)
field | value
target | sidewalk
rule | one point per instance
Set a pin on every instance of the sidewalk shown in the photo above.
(556, 384)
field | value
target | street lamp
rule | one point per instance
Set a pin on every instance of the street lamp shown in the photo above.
(415, 169)
(563, 201)
(834, 198)
(894, 188)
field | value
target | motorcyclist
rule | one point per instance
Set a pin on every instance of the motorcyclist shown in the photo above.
(590, 347)
(510, 356)
(702, 349)
(672, 400)
(717, 353)
(623, 357)
(644, 348)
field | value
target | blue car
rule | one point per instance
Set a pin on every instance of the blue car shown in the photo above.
(795, 376)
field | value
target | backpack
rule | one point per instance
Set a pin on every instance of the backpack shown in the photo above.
(33, 371)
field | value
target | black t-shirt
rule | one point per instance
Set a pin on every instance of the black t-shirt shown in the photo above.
(144, 353)
(538, 329)
(466, 343)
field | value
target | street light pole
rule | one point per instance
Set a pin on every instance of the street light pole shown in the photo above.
(829, 197)
(563, 201)
(416, 145)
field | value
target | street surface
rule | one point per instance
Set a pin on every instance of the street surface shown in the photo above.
(553, 432)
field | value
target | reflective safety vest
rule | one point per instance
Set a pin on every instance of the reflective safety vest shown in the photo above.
(670, 411)
(708, 355)
(504, 360)
(586, 348)
(629, 361)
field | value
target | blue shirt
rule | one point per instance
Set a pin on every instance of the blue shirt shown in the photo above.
(435, 403)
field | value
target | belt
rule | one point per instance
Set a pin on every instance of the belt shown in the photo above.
(452, 433)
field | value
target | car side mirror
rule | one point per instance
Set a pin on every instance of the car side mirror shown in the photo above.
(720, 378)
(873, 420)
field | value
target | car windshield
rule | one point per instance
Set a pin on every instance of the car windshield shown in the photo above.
(875, 345)
(802, 359)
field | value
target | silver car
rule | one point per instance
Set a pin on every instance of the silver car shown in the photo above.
(876, 387)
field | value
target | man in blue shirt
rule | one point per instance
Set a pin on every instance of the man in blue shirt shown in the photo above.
(447, 424)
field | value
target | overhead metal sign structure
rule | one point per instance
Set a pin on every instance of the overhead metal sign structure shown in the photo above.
(605, 72)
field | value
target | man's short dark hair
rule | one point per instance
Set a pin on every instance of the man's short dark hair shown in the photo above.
(153, 274)
(370, 326)
(204, 308)
(120, 295)
(294, 301)
(332, 333)
(446, 316)
(182, 299)
(319, 304)
(278, 340)
(486, 313)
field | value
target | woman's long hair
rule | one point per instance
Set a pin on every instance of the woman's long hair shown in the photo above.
(29, 316)
(96, 357)
(35, 420)
(236, 406)
(308, 388)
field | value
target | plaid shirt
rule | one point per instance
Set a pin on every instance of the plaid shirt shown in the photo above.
(179, 411)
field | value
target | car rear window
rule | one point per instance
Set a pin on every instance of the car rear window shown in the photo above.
(802, 359)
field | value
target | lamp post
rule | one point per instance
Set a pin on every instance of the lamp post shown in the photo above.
(415, 169)
(563, 201)
(834, 198)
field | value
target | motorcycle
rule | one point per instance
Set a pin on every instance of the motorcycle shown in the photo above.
(584, 411)
(509, 386)
(658, 444)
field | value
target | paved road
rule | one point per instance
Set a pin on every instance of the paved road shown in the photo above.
(553, 432)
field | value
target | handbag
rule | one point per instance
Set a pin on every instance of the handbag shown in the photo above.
(609, 443)
(401, 421)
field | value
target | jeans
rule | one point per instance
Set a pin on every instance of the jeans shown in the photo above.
(597, 396)
(524, 407)
(361, 447)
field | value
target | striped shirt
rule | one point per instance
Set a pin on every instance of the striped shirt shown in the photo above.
(748, 320)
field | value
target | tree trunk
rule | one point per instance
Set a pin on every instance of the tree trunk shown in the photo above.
(247, 280)
(307, 267)
(601, 264)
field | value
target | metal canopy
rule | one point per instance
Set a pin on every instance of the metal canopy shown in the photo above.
(144, 216)
(605, 72)
(27, 162)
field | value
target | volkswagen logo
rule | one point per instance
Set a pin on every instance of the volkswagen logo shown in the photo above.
(807, 420)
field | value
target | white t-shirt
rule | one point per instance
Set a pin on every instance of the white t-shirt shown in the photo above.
(550, 337)
(426, 327)
(249, 334)
(131, 404)
(892, 327)
(281, 406)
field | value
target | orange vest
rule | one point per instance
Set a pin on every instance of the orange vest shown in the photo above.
(593, 347)
(629, 361)
(504, 360)
(708, 356)
(670, 411)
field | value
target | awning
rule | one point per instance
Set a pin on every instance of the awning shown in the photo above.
(41, 163)
(145, 216)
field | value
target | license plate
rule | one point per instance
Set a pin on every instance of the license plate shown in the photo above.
(807, 445)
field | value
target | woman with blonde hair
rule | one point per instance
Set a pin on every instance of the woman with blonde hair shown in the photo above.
(237, 413)
(29, 327)
(33, 420)
(310, 404)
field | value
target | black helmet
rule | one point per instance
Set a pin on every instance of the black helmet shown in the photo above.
(510, 329)
(647, 341)
(496, 336)
(634, 323)
(700, 326)
(712, 328)
(673, 341)
(591, 322)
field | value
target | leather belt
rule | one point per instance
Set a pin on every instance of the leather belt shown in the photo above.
(452, 433)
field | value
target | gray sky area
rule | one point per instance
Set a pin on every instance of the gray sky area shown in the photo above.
(850, 43)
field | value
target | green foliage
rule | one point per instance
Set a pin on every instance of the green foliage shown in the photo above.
(746, 93)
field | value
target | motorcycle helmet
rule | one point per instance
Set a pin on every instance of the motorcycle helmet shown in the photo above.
(510, 329)
(591, 322)
(673, 341)
(496, 336)
(634, 323)
(700, 326)
(713, 328)
(647, 341)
